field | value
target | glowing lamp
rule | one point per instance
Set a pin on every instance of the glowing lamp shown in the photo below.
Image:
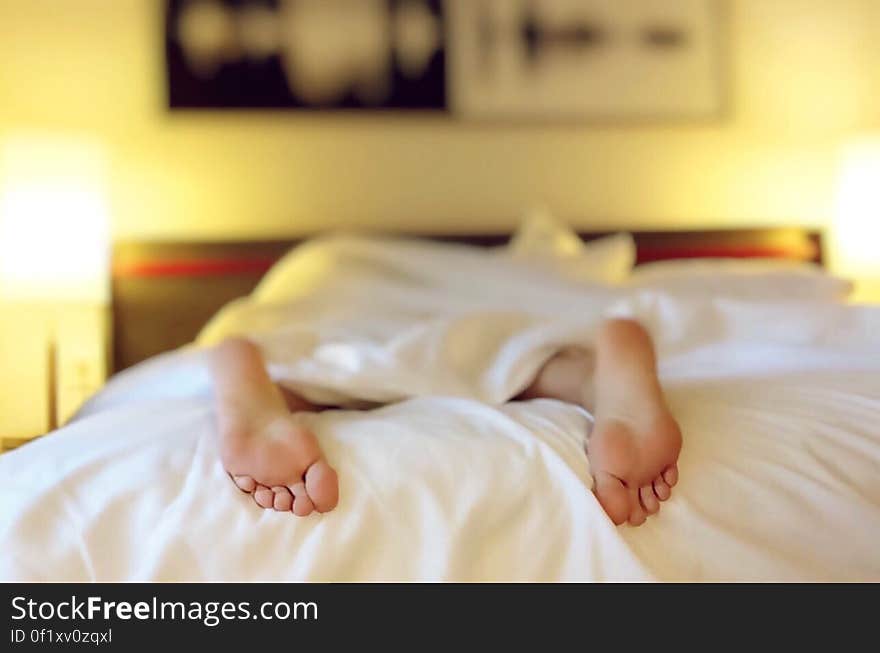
(54, 280)
(54, 239)
(855, 234)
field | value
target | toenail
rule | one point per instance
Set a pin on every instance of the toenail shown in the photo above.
(244, 483)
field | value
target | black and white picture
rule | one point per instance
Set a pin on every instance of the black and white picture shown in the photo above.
(483, 59)
(306, 54)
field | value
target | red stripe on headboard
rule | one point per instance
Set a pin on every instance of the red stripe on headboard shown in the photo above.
(193, 267)
(220, 267)
(650, 254)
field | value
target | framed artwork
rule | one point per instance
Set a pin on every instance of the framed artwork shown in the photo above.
(472, 59)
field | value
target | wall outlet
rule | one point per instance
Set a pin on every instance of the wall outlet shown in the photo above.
(81, 346)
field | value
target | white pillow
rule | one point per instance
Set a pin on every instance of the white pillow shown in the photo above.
(545, 242)
(759, 279)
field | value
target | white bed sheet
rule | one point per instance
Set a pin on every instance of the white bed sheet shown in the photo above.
(779, 405)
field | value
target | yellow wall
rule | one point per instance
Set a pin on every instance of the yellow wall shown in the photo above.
(803, 76)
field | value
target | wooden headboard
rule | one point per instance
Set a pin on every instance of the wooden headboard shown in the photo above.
(164, 292)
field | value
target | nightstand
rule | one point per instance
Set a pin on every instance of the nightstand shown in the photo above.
(52, 358)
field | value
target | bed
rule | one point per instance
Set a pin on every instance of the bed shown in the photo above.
(774, 380)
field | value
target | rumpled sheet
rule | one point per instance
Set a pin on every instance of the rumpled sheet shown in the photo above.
(779, 405)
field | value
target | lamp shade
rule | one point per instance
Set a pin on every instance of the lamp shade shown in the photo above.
(855, 233)
(54, 238)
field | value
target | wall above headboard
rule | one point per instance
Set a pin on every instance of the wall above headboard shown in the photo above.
(802, 75)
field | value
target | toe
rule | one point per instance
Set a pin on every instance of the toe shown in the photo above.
(612, 496)
(245, 483)
(671, 475)
(322, 486)
(661, 489)
(648, 499)
(637, 514)
(302, 503)
(264, 497)
(303, 506)
(637, 517)
(283, 501)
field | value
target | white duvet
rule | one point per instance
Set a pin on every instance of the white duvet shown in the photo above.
(779, 405)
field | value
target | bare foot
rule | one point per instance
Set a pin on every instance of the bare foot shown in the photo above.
(278, 461)
(263, 448)
(635, 442)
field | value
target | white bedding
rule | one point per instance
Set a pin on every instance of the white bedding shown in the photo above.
(779, 405)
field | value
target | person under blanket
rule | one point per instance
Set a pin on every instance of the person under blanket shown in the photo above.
(633, 447)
